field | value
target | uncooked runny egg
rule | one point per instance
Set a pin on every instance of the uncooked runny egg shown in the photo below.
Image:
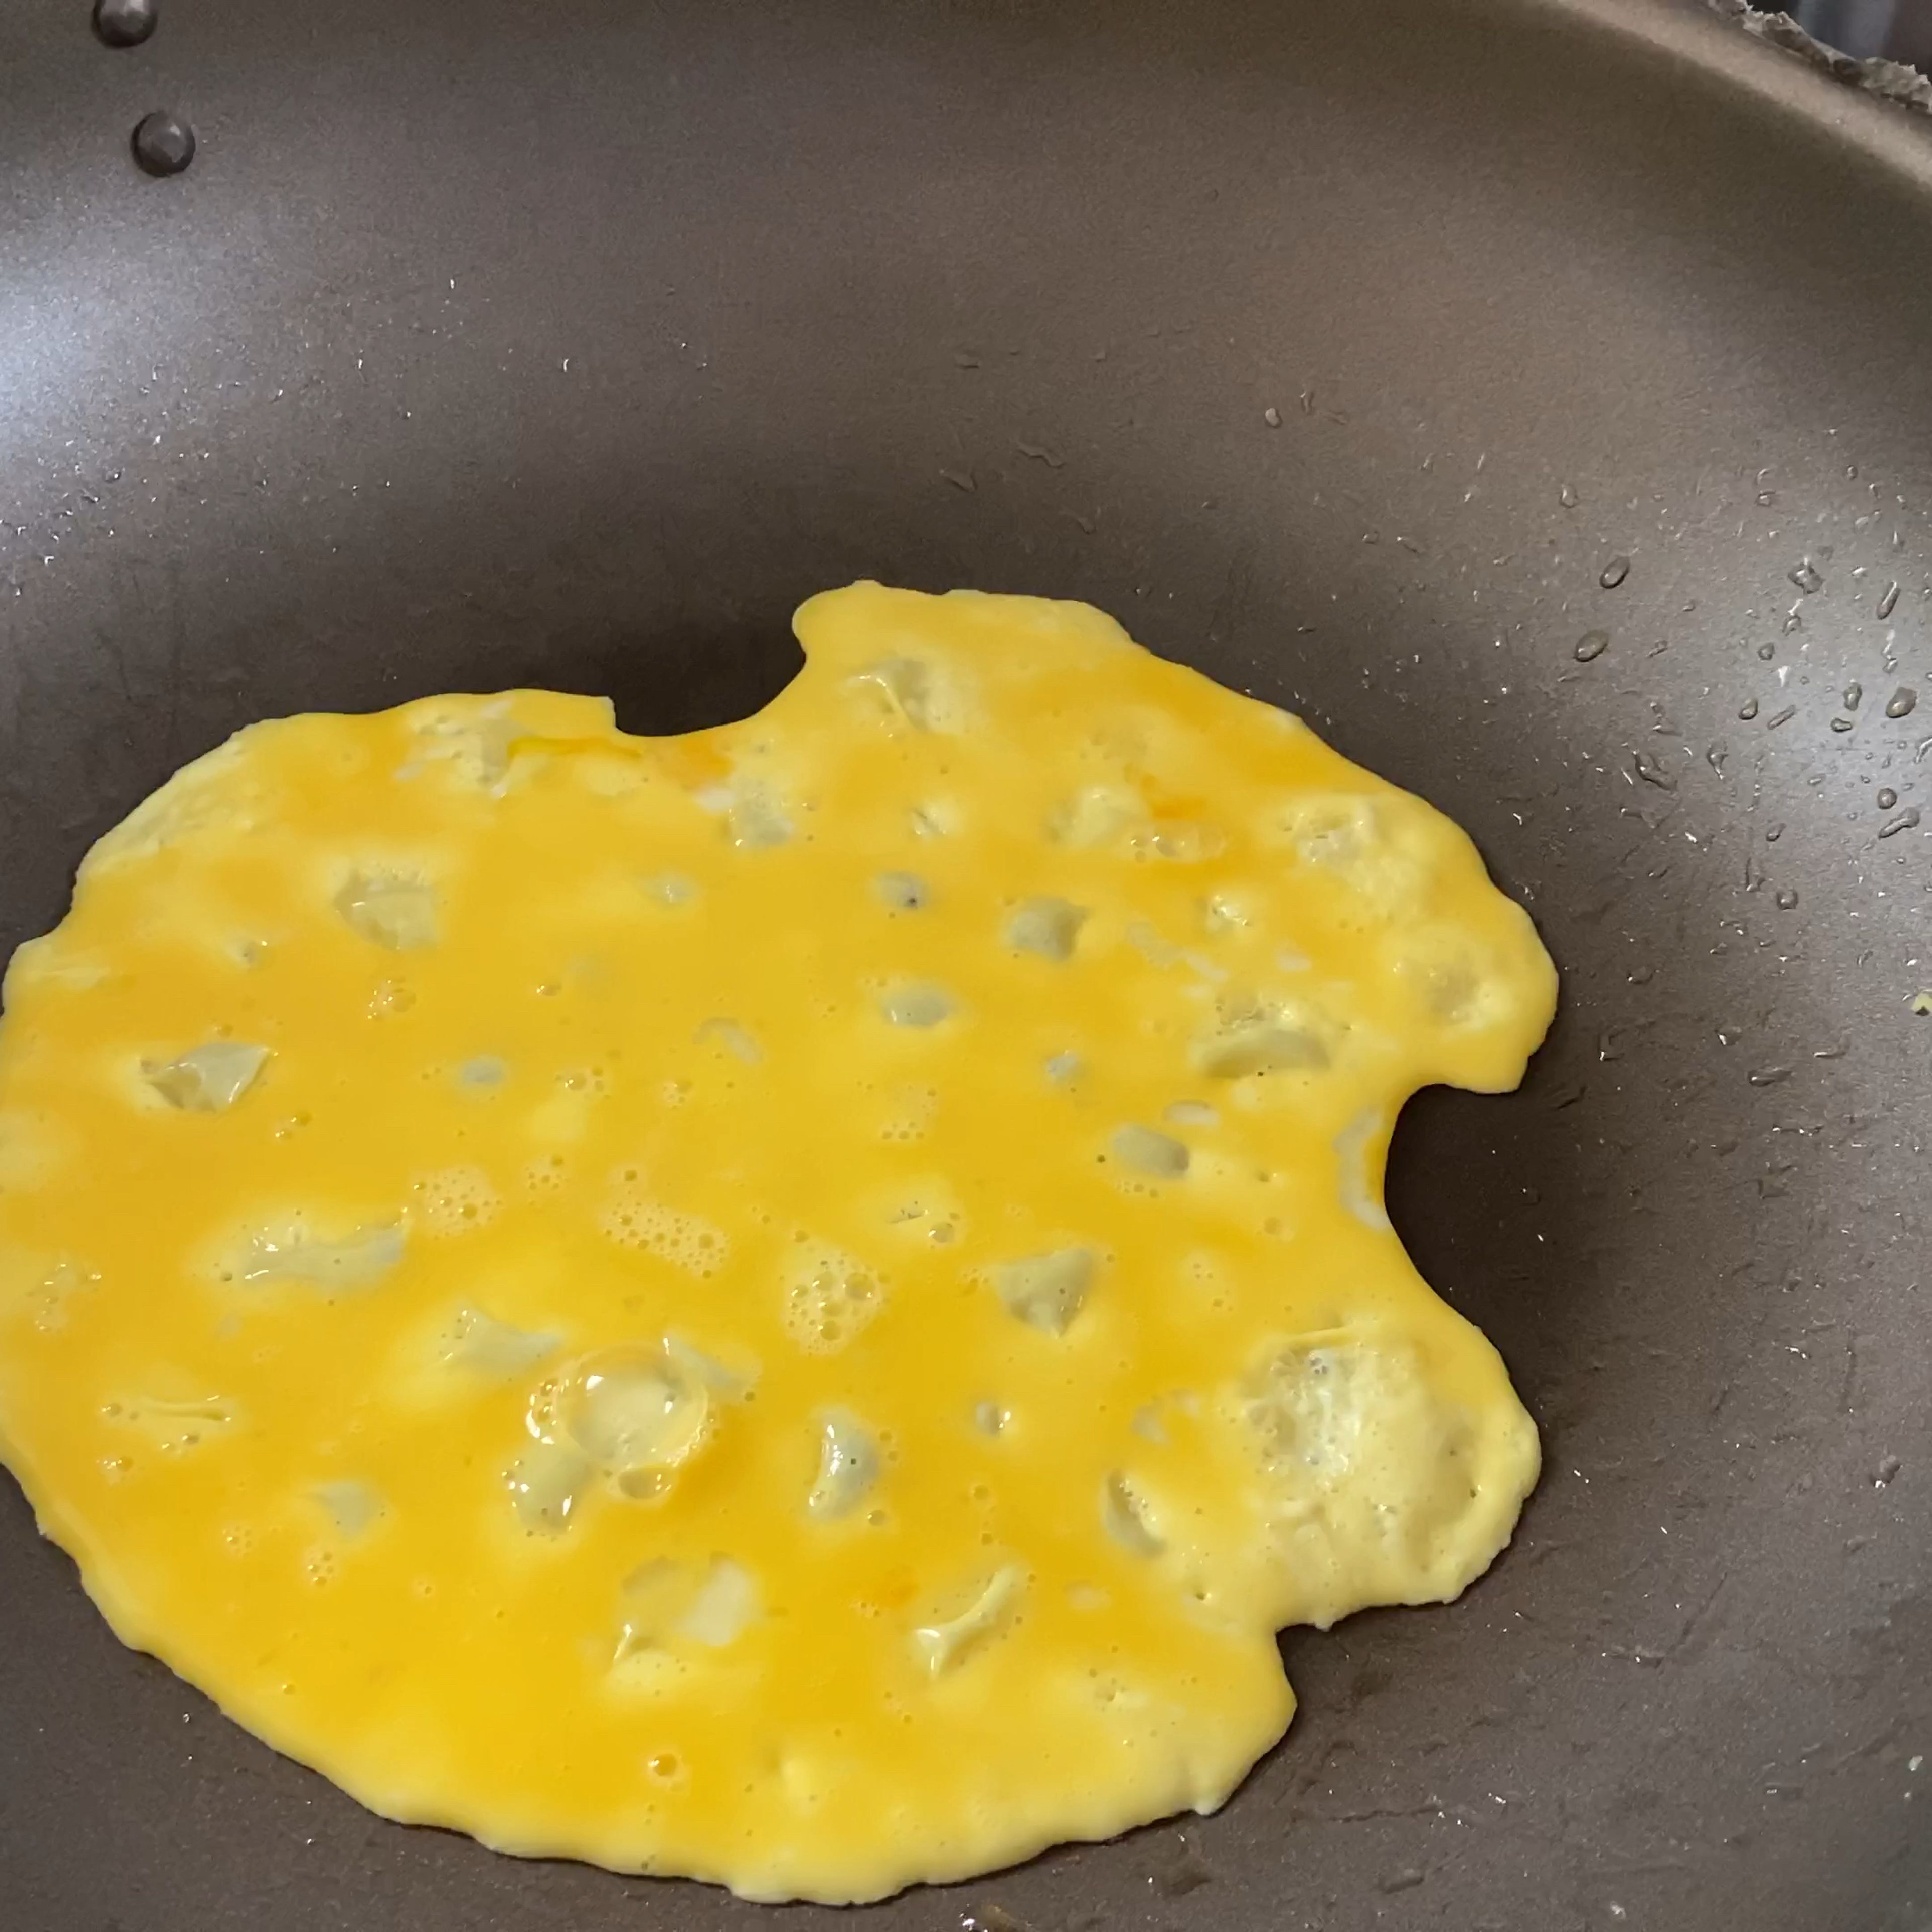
(795, 1304)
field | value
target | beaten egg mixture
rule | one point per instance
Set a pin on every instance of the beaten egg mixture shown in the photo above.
(795, 1304)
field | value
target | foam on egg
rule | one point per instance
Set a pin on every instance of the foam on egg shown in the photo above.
(832, 1270)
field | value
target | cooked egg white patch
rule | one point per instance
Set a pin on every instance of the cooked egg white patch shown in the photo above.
(795, 1304)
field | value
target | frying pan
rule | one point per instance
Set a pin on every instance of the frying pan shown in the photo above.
(1536, 396)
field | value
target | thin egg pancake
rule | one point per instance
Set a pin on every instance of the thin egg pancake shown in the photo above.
(796, 1304)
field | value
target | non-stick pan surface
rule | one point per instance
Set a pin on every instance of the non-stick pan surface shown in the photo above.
(1538, 398)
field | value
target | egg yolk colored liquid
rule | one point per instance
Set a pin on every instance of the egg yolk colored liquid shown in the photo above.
(795, 1304)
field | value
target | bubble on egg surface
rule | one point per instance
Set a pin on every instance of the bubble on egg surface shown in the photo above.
(936, 818)
(455, 1200)
(917, 1004)
(1226, 912)
(672, 889)
(635, 1412)
(724, 1603)
(206, 1079)
(1308, 1404)
(633, 1217)
(477, 1342)
(173, 1419)
(945, 1643)
(351, 1505)
(45, 1288)
(1148, 1151)
(1095, 816)
(1252, 1034)
(1127, 1518)
(1358, 1168)
(732, 1380)
(755, 818)
(830, 1296)
(732, 1038)
(1180, 841)
(918, 692)
(390, 910)
(545, 1483)
(848, 1466)
(474, 749)
(1049, 927)
(1046, 1291)
(665, 1602)
(290, 1253)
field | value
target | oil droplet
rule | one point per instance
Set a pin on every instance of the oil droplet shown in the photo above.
(1614, 572)
(1901, 703)
(124, 23)
(1806, 577)
(163, 143)
(1888, 601)
(1592, 644)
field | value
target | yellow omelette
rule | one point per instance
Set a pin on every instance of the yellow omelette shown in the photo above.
(795, 1304)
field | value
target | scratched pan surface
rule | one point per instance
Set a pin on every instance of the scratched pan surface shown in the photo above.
(1538, 400)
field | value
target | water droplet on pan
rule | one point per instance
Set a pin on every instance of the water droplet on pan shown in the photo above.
(1887, 799)
(1888, 602)
(1748, 709)
(1614, 572)
(1901, 702)
(1904, 822)
(1567, 497)
(124, 23)
(1592, 644)
(163, 143)
(1806, 577)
